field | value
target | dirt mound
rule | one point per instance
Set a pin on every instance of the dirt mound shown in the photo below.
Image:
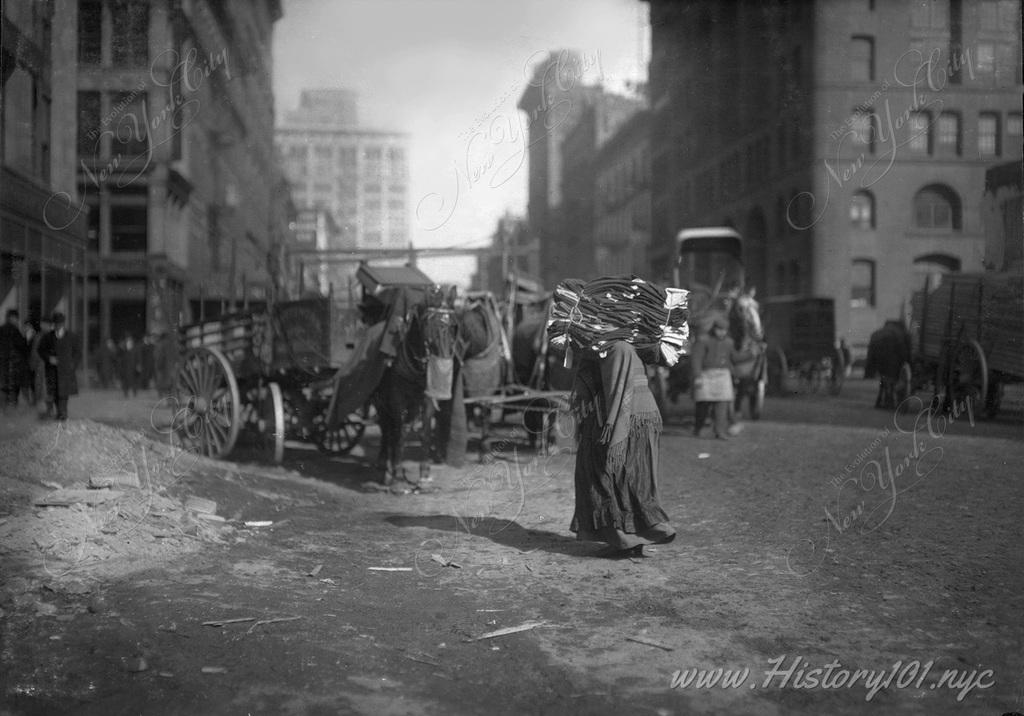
(85, 500)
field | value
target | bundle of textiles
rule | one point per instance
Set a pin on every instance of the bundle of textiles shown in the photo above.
(588, 316)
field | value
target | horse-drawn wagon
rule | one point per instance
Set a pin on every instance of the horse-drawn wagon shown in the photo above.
(710, 267)
(271, 376)
(968, 339)
(801, 337)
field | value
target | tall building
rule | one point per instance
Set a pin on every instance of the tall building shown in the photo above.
(600, 119)
(359, 174)
(847, 140)
(622, 200)
(176, 167)
(553, 102)
(42, 232)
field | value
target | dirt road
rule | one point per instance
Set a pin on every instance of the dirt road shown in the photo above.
(829, 538)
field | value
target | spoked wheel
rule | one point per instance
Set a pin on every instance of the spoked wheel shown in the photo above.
(904, 385)
(341, 438)
(210, 406)
(968, 377)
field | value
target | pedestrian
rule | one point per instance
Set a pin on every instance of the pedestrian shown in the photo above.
(166, 356)
(619, 428)
(13, 359)
(62, 356)
(711, 363)
(147, 361)
(28, 386)
(844, 351)
(38, 370)
(106, 363)
(130, 364)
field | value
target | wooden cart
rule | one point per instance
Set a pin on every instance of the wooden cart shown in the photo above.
(968, 336)
(266, 377)
(801, 338)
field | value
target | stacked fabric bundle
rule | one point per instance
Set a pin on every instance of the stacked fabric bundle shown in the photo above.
(588, 316)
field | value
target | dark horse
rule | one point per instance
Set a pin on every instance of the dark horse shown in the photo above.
(445, 356)
(538, 368)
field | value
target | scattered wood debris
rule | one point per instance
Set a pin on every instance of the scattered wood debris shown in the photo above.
(201, 505)
(390, 569)
(444, 562)
(222, 622)
(214, 670)
(648, 642)
(315, 571)
(509, 630)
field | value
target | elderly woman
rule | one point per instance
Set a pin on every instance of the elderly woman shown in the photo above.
(619, 428)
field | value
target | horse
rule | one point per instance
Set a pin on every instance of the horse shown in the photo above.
(399, 394)
(446, 355)
(747, 334)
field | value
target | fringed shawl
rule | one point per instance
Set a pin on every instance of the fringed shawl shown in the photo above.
(614, 389)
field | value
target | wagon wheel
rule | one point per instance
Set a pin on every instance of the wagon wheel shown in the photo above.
(210, 412)
(270, 412)
(968, 376)
(962, 375)
(344, 436)
(904, 385)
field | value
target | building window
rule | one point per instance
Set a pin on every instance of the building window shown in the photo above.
(372, 154)
(88, 124)
(90, 34)
(862, 284)
(936, 207)
(985, 58)
(920, 133)
(929, 14)
(129, 220)
(862, 128)
(862, 210)
(862, 60)
(1013, 124)
(988, 134)
(949, 133)
(131, 138)
(130, 36)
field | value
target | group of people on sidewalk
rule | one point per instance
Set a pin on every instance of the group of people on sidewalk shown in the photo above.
(41, 362)
(138, 365)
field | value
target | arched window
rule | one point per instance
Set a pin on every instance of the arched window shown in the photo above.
(780, 278)
(937, 207)
(862, 210)
(862, 284)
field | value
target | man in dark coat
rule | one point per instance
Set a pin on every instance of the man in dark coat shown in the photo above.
(130, 365)
(888, 350)
(13, 359)
(106, 360)
(62, 356)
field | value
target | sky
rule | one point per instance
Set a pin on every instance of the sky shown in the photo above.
(449, 73)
